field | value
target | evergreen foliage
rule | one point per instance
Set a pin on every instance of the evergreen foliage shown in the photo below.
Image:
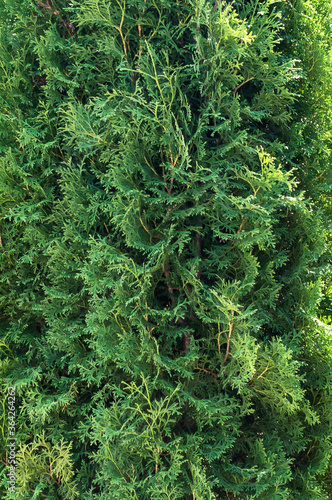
(165, 186)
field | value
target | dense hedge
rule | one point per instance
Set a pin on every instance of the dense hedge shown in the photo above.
(165, 181)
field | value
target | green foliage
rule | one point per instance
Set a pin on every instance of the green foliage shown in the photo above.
(53, 462)
(165, 211)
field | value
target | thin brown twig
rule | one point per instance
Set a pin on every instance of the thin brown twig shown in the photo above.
(139, 53)
(169, 190)
(198, 241)
(261, 375)
(241, 225)
(229, 337)
(169, 287)
(55, 11)
(49, 474)
(239, 86)
(206, 371)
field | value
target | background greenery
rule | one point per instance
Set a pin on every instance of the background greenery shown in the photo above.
(165, 293)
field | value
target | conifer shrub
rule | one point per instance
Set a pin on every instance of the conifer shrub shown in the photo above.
(165, 212)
